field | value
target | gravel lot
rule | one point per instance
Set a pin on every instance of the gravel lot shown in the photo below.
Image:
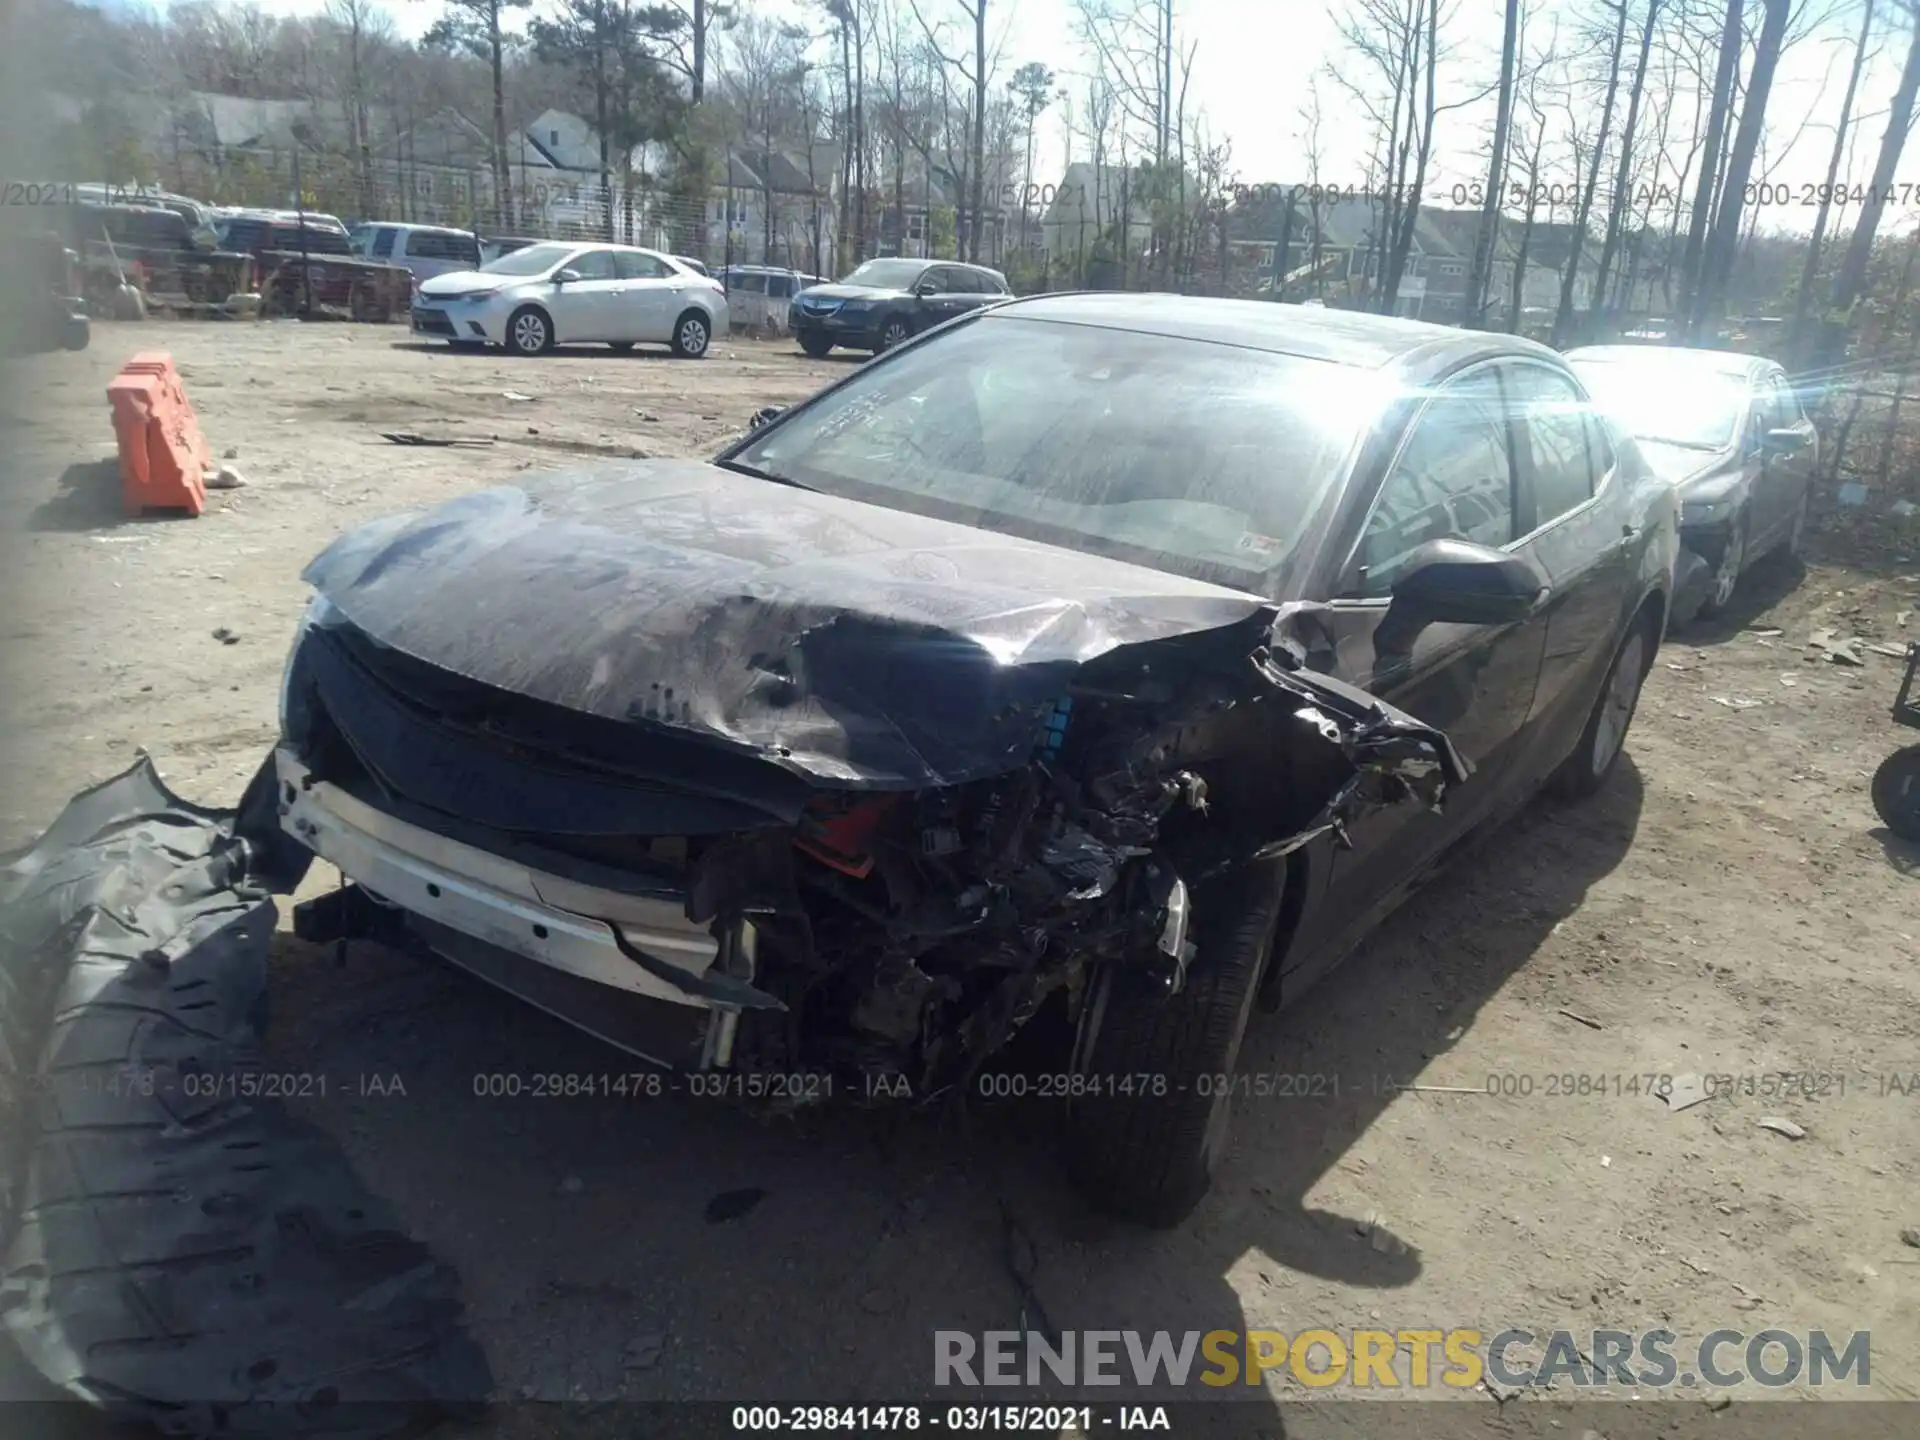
(1729, 906)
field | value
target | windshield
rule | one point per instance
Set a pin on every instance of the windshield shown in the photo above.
(887, 274)
(1197, 458)
(533, 260)
(1668, 402)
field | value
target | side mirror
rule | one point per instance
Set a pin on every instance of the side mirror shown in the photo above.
(565, 277)
(925, 288)
(766, 416)
(1456, 582)
(1784, 441)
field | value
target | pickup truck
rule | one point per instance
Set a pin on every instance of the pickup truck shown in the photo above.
(282, 245)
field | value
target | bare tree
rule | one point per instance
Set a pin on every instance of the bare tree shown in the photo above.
(1032, 89)
(1717, 258)
(1474, 310)
(689, 36)
(1583, 203)
(1726, 72)
(1619, 205)
(765, 83)
(1532, 145)
(1853, 267)
(1798, 338)
(977, 75)
(479, 26)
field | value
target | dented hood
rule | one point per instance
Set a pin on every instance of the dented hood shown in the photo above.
(858, 645)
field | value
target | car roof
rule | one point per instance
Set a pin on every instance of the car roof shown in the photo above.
(1342, 337)
(310, 217)
(409, 225)
(1723, 362)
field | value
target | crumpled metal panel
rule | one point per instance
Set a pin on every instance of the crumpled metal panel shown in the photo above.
(861, 646)
(177, 1251)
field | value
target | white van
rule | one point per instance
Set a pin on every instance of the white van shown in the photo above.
(426, 250)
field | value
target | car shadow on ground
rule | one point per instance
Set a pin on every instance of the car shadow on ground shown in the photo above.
(1902, 855)
(1770, 581)
(670, 1247)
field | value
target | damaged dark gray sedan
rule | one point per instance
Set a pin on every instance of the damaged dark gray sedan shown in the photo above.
(1117, 659)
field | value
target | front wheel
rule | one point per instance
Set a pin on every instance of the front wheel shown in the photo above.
(894, 332)
(1896, 792)
(1726, 574)
(1150, 1127)
(815, 343)
(1795, 545)
(529, 332)
(691, 335)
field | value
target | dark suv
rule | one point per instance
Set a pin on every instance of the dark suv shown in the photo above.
(884, 301)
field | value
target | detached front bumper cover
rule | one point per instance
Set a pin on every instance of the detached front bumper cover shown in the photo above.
(176, 1251)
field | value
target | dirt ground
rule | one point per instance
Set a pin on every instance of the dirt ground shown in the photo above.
(1729, 906)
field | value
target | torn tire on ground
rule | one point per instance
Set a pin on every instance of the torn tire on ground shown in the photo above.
(177, 1250)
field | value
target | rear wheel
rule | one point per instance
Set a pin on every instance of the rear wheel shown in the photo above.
(1896, 792)
(815, 344)
(691, 335)
(1150, 1157)
(1585, 772)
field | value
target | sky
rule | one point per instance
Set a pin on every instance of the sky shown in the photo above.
(1253, 61)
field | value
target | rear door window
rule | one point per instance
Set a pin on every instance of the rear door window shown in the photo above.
(631, 265)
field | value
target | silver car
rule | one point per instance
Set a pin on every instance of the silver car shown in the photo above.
(565, 293)
(1730, 432)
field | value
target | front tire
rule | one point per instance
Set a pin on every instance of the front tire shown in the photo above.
(1725, 580)
(1896, 793)
(894, 332)
(1604, 739)
(1148, 1157)
(529, 331)
(1794, 548)
(692, 334)
(816, 344)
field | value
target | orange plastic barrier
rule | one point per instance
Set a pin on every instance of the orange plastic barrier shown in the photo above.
(164, 458)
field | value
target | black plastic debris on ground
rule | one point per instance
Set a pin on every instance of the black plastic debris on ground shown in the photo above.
(733, 1204)
(176, 1250)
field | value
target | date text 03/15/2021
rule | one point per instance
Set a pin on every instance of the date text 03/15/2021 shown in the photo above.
(1049, 1420)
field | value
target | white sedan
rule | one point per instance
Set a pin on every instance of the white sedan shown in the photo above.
(562, 293)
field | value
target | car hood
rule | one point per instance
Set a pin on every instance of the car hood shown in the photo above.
(858, 645)
(1683, 465)
(458, 282)
(849, 292)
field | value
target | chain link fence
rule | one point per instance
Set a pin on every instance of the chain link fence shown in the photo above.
(537, 203)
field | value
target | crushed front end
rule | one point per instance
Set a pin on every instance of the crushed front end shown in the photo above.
(713, 909)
